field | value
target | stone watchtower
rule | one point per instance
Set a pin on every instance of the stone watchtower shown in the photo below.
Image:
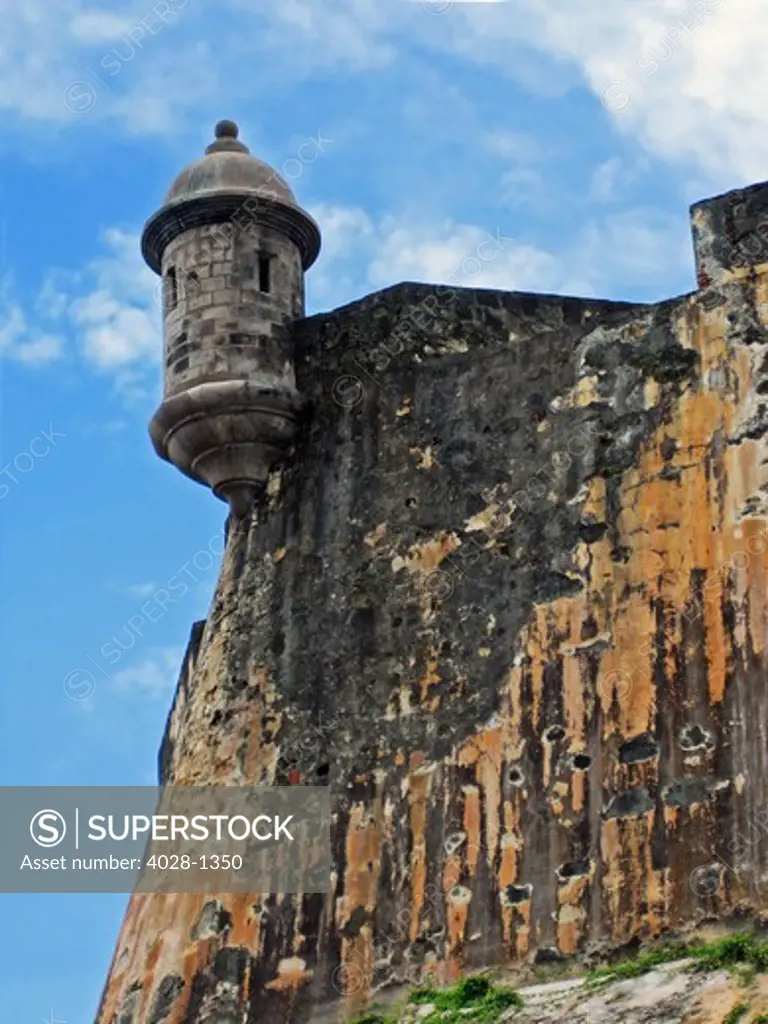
(231, 244)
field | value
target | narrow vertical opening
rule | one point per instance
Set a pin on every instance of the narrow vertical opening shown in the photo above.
(264, 262)
(192, 284)
(171, 289)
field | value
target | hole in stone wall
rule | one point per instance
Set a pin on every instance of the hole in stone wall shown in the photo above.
(515, 777)
(693, 737)
(514, 894)
(454, 842)
(554, 733)
(323, 770)
(642, 748)
(264, 282)
(573, 869)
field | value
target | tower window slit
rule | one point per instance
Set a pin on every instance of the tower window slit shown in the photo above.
(191, 284)
(264, 282)
(171, 290)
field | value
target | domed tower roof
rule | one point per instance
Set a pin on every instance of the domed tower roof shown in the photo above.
(229, 167)
(228, 183)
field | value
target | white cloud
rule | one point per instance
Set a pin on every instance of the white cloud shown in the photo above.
(115, 334)
(109, 310)
(113, 311)
(611, 175)
(91, 27)
(640, 246)
(514, 145)
(693, 70)
(360, 254)
(459, 254)
(154, 677)
(523, 182)
(20, 341)
(321, 34)
(46, 348)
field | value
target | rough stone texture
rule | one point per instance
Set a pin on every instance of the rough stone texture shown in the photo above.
(508, 600)
(669, 995)
(223, 326)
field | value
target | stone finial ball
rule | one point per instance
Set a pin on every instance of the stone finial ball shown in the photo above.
(226, 130)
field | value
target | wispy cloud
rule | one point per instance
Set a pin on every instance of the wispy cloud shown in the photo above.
(693, 72)
(141, 591)
(108, 311)
(614, 176)
(154, 677)
(639, 245)
(20, 340)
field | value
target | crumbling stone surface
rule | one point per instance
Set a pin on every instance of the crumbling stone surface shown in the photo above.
(508, 601)
(668, 995)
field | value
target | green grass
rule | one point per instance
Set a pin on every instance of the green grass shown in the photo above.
(641, 964)
(736, 1014)
(741, 952)
(476, 1000)
(726, 953)
(472, 1000)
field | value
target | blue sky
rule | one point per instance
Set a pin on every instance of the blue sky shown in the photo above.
(575, 132)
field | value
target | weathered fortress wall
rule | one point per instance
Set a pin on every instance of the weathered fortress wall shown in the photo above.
(509, 602)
